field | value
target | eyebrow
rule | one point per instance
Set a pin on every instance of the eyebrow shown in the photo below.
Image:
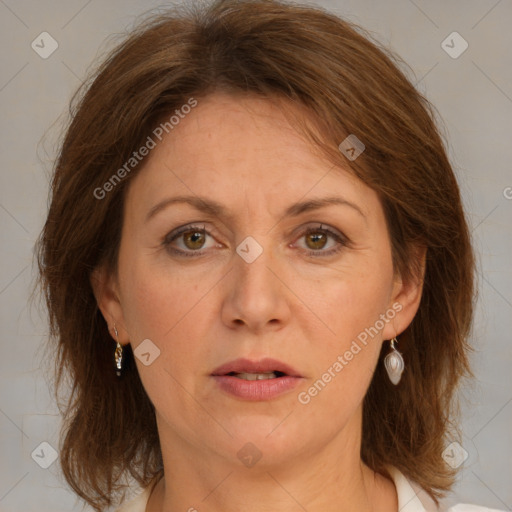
(216, 209)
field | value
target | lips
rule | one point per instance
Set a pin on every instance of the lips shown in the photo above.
(262, 380)
(267, 365)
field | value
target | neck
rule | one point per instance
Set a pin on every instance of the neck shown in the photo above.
(196, 481)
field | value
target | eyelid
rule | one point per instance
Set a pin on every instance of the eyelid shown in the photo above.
(320, 226)
(341, 239)
(175, 233)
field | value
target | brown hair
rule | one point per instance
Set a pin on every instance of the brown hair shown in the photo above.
(349, 84)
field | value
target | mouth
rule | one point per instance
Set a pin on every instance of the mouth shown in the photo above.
(256, 380)
(256, 370)
(256, 376)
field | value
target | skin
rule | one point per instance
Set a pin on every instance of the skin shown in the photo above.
(302, 309)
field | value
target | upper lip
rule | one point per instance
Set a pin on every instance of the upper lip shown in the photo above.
(261, 366)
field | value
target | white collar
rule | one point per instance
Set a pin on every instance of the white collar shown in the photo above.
(411, 497)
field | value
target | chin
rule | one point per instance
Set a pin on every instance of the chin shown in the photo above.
(275, 440)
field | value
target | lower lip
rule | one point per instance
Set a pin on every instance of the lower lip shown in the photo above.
(264, 389)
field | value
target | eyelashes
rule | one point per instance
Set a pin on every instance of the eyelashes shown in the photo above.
(199, 234)
(174, 235)
(340, 240)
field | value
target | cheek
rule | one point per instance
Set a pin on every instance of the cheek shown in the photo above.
(353, 298)
(159, 307)
(343, 363)
(155, 298)
(173, 309)
(351, 304)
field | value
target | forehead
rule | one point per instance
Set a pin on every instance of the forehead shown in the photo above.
(229, 128)
(245, 150)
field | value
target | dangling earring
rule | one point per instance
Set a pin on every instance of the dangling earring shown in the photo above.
(118, 355)
(394, 363)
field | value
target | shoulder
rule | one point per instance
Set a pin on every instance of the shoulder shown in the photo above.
(411, 498)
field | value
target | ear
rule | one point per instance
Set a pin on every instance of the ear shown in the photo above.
(406, 295)
(106, 292)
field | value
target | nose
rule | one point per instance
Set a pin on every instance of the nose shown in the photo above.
(256, 295)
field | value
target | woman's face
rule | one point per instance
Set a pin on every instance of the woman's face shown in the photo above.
(253, 285)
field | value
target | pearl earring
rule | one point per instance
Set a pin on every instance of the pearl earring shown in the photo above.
(394, 363)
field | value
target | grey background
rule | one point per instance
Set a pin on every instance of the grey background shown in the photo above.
(473, 94)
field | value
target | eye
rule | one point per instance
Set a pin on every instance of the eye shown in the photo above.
(317, 239)
(192, 237)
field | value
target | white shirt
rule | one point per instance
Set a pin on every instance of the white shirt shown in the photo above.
(411, 498)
